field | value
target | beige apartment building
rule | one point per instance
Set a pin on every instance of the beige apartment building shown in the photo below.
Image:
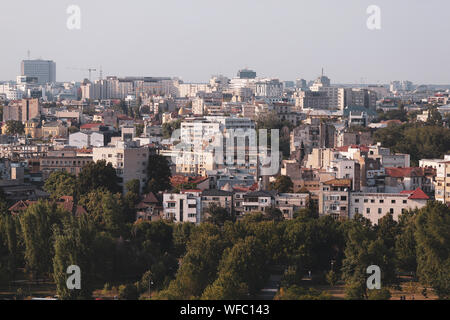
(63, 160)
(334, 198)
(128, 158)
(375, 206)
(442, 184)
(23, 111)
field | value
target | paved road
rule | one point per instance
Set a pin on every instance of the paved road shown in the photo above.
(271, 288)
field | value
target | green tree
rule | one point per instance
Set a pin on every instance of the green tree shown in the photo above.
(382, 294)
(283, 184)
(299, 293)
(242, 272)
(420, 141)
(273, 213)
(97, 175)
(60, 183)
(14, 127)
(10, 251)
(218, 215)
(106, 210)
(158, 174)
(332, 278)
(128, 292)
(169, 127)
(199, 265)
(433, 247)
(37, 224)
(405, 244)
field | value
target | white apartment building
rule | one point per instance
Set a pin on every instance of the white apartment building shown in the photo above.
(442, 180)
(375, 206)
(200, 138)
(289, 203)
(191, 90)
(269, 88)
(434, 163)
(346, 169)
(183, 207)
(86, 140)
(336, 95)
(128, 158)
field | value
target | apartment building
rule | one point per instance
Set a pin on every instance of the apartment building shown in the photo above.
(63, 160)
(23, 111)
(334, 198)
(185, 206)
(86, 139)
(257, 201)
(128, 158)
(316, 134)
(375, 206)
(220, 198)
(289, 203)
(202, 137)
(442, 184)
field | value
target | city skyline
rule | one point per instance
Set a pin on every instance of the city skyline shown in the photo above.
(194, 41)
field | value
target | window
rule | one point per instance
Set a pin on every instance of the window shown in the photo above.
(372, 201)
(380, 211)
(343, 198)
(368, 211)
(405, 201)
(366, 200)
(393, 201)
(356, 200)
(381, 201)
(391, 211)
(356, 210)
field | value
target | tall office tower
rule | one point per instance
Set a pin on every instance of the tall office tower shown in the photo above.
(44, 70)
(246, 74)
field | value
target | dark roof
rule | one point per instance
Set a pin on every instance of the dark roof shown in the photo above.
(261, 193)
(216, 193)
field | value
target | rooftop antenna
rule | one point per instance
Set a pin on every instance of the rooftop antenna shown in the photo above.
(322, 71)
(28, 54)
(101, 73)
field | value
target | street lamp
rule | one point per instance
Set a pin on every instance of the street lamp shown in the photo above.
(150, 283)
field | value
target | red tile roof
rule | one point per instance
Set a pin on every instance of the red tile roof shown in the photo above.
(90, 125)
(404, 172)
(417, 194)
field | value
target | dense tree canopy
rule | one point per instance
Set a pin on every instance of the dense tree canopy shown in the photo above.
(158, 174)
(97, 175)
(420, 141)
(283, 184)
(15, 127)
(60, 183)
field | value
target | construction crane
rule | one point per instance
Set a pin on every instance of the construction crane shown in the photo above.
(88, 69)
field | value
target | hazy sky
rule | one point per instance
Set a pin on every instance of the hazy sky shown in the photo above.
(194, 39)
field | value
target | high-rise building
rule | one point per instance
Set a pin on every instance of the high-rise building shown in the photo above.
(246, 74)
(43, 70)
(23, 111)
